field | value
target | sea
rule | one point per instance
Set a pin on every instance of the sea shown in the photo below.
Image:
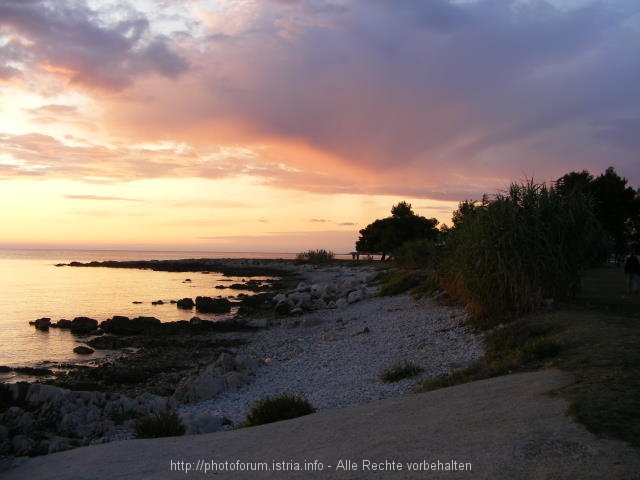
(32, 287)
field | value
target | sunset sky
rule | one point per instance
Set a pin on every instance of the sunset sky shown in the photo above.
(284, 125)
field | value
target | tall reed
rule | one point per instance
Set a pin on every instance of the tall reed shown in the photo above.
(525, 245)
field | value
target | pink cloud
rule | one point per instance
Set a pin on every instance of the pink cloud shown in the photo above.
(438, 99)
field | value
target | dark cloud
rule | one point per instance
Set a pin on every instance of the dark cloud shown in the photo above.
(439, 86)
(97, 49)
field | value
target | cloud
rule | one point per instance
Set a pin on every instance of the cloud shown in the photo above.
(106, 48)
(432, 98)
(101, 198)
(441, 99)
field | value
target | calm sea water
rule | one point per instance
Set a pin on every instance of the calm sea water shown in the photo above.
(31, 287)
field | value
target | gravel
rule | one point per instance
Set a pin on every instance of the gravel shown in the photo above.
(335, 356)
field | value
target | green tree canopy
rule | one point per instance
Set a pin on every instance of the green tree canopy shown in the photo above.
(387, 234)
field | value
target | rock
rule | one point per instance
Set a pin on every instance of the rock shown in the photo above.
(283, 308)
(36, 371)
(64, 324)
(185, 303)
(43, 324)
(108, 342)
(4, 433)
(225, 361)
(203, 387)
(281, 297)
(235, 380)
(83, 350)
(355, 296)
(59, 444)
(23, 445)
(300, 300)
(317, 290)
(157, 302)
(39, 393)
(244, 363)
(202, 422)
(303, 287)
(123, 326)
(213, 305)
(83, 325)
(258, 323)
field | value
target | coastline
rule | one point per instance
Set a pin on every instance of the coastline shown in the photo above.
(331, 353)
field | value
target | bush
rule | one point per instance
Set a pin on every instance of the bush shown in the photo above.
(315, 256)
(275, 409)
(400, 371)
(165, 423)
(506, 255)
(415, 254)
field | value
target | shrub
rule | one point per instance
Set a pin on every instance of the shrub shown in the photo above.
(415, 254)
(506, 255)
(165, 423)
(315, 256)
(274, 409)
(400, 371)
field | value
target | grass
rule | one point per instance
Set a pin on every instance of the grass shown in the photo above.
(397, 281)
(595, 338)
(400, 371)
(316, 257)
(274, 409)
(165, 423)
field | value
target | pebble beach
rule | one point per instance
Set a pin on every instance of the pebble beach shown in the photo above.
(334, 356)
(328, 339)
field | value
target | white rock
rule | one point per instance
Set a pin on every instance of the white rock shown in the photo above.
(201, 422)
(234, 380)
(355, 296)
(39, 394)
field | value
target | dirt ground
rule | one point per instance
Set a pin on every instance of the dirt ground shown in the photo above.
(508, 427)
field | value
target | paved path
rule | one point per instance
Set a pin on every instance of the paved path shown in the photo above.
(502, 428)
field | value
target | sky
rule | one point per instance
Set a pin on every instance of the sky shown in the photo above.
(288, 125)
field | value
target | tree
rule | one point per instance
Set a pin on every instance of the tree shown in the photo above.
(616, 205)
(387, 234)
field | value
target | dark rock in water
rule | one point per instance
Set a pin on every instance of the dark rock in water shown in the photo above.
(33, 371)
(5, 369)
(157, 302)
(187, 280)
(137, 302)
(109, 342)
(62, 323)
(283, 308)
(83, 325)
(220, 287)
(251, 304)
(186, 303)
(123, 326)
(83, 350)
(42, 324)
(213, 305)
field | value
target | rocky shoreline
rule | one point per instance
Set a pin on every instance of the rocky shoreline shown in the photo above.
(326, 338)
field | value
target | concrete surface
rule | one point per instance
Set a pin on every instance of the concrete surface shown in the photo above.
(501, 428)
